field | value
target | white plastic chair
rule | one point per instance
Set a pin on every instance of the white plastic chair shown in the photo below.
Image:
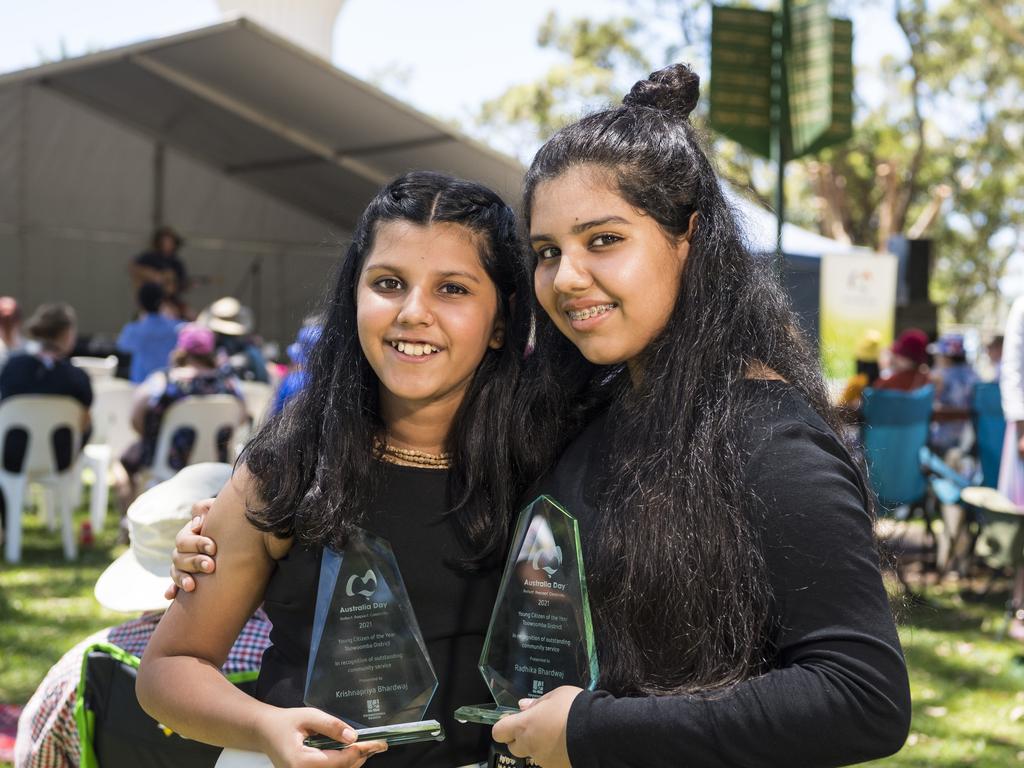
(112, 433)
(205, 415)
(258, 396)
(97, 367)
(40, 416)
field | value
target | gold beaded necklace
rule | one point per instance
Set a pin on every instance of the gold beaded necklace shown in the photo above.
(407, 457)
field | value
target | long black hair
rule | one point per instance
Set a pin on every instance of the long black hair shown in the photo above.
(681, 592)
(314, 466)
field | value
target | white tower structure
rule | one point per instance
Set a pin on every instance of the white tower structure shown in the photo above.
(310, 23)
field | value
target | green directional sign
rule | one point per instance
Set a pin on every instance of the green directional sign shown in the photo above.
(817, 62)
(809, 75)
(782, 83)
(741, 75)
(840, 128)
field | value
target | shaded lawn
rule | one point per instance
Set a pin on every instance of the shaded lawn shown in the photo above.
(968, 687)
(47, 604)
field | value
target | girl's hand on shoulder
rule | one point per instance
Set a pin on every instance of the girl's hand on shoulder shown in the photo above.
(538, 731)
(284, 729)
(189, 550)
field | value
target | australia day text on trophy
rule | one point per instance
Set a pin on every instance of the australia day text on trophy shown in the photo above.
(368, 664)
(540, 636)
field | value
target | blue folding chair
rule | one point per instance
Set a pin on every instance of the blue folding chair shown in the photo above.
(989, 430)
(954, 543)
(895, 430)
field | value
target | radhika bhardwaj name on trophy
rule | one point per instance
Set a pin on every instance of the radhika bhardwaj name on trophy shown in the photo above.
(540, 636)
(368, 664)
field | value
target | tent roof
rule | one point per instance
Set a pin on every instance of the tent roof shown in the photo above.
(759, 225)
(269, 113)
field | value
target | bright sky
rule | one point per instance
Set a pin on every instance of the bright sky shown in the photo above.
(445, 56)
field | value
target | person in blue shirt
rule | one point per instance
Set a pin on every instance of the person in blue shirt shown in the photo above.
(150, 339)
(295, 379)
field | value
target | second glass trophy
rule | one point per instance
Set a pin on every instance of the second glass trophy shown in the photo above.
(368, 664)
(540, 636)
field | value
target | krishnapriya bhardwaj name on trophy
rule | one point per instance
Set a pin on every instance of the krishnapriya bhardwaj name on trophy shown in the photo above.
(368, 664)
(540, 636)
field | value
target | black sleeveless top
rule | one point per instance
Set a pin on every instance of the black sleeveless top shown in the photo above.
(452, 608)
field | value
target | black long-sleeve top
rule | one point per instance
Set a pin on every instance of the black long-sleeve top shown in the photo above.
(837, 692)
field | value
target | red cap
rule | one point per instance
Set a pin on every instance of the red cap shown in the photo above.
(913, 345)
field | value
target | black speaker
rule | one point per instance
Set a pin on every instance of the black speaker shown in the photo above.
(915, 269)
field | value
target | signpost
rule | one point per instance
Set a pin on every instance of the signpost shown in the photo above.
(782, 82)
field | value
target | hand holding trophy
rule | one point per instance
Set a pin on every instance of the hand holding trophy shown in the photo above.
(540, 636)
(368, 663)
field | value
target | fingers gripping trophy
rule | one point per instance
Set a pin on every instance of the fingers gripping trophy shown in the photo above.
(540, 636)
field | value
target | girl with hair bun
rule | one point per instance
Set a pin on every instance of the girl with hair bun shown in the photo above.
(736, 593)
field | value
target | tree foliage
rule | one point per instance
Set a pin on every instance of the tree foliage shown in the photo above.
(938, 153)
(596, 57)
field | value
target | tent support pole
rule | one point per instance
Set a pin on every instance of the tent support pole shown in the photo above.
(268, 123)
(159, 150)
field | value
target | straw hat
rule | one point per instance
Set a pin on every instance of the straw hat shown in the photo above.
(136, 581)
(868, 346)
(227, 316)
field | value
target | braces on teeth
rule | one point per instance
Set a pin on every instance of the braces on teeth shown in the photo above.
(583, 314)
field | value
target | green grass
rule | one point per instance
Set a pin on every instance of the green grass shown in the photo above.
(968, 687)
(47, 603)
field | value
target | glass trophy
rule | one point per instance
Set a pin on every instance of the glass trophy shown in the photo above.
(368, 664)
(540, 636)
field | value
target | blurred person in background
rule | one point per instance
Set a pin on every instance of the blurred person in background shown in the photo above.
(11, 340)
(295, 379)
(908, 366)
(994, 351)
(233, 324)
(134, 583)
(162, 264)
(954, 380)
(193, 371)
(150, 339)
(867, 369)
(1011, 466)
(43, 368)
(1011, 388)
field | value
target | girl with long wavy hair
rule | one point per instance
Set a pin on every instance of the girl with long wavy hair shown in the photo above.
(737, 597)
(406, 427)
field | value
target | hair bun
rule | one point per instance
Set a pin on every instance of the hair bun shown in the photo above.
(674, 89)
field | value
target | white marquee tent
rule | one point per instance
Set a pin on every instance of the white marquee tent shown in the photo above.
(261, 153)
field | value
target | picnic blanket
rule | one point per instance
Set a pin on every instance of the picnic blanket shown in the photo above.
(8, 730)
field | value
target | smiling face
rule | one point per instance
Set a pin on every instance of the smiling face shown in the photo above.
(426, 312)
(607, 273)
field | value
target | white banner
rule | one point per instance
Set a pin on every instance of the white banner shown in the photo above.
(858, 295)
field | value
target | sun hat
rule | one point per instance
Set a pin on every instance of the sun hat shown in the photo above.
(227, 316)
(913, 345)
(136, 581)
(948, 345)
(868, 346)
(194, 339)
